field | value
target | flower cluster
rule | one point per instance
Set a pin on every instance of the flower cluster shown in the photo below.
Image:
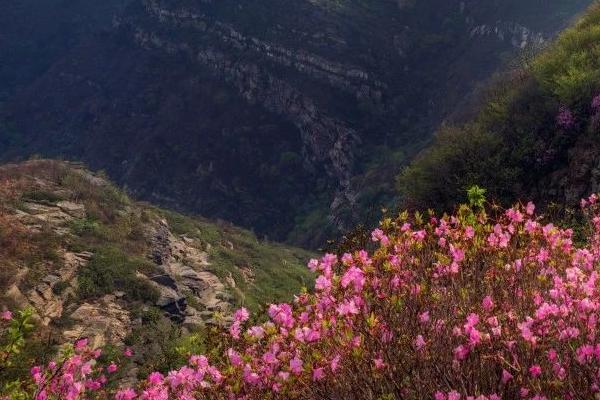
(77, 375)
(451, 308)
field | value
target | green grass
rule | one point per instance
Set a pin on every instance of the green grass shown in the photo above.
(514, 147)
(279, 271)
(111, 270)
(41, 196)
(571, 67)
(117, 232)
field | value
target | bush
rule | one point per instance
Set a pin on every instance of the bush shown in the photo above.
(502, 306)
(536, 130)
(571, 67)
(459, 159)
(41, 196)
(111, 270)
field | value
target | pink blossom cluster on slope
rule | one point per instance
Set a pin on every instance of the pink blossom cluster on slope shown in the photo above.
(452, 308)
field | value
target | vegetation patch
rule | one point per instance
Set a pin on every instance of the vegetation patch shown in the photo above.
(111, 270)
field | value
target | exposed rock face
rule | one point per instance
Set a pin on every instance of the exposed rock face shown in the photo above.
(183, 274)
(92, 263)
(271, 113)
(73, 209)
(48, 304)
(103, 321)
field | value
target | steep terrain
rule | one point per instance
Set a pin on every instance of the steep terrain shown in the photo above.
(535, 135)
(276, 115)
(92, 263)
(35, 34)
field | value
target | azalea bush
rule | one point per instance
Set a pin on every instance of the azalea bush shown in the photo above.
(15, 330)
(478, 305)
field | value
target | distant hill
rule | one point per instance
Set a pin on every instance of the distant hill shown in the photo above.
(290, 117)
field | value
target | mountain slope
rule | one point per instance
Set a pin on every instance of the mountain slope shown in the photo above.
(35, 34)
(276, 115)
(535, 136)
(93, 263)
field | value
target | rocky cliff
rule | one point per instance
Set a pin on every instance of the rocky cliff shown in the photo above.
(272, 114)
(92, 263)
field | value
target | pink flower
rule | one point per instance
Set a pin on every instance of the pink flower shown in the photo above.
(235, 330)
(155, 378)
(461, 352)
(335, 363)
(256, 332)
(347, 308)
(251, 377)
(125, 394)
(379, 236)
(81, 344)
(458, 255)
(323, 283)
(506, 376)
(354, 276)
(86, 369)
(347, 259)
(112, 368)
(469, 232)
(318, 374)
(6, 315)
(200, 362)
(296, 365)
(282, 314)
(241, 315)
(535, 370)
(530, 209)
(419, 236)
(128, 352)
(283, 375)
(487, 303)
(419, 342)
(453, 395)
(234, 357)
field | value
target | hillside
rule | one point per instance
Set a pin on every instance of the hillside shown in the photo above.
(485, 304)
(93, 263)
(535, 134)
(329, 98)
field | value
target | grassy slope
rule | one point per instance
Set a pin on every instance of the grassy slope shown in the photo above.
(514, 146)
(278, 270)
(116, 232)
(114, 228)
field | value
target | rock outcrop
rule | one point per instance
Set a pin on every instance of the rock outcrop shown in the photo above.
(183, 275)
(91, 262)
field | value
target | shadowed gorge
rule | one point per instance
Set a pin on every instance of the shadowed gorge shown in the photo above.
(275, 115)
(167, 165)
